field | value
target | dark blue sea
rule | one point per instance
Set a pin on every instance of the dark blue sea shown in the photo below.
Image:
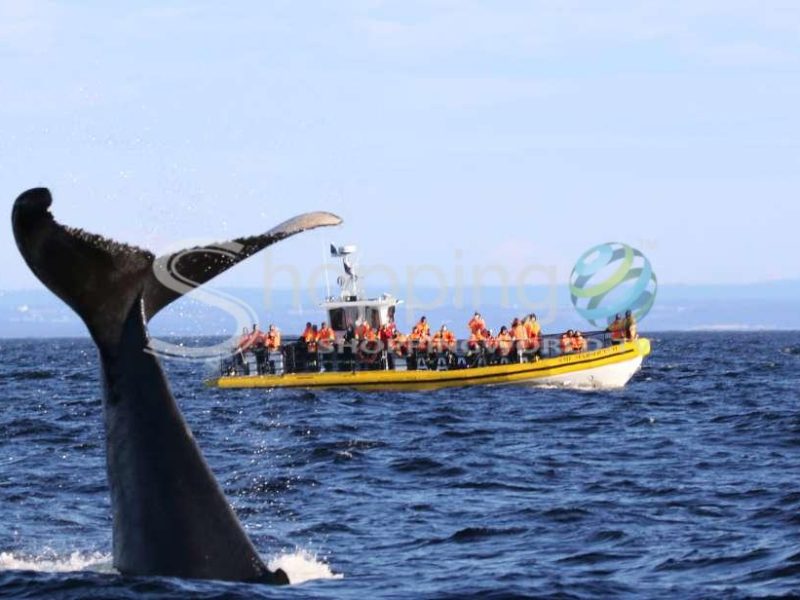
(686, 484)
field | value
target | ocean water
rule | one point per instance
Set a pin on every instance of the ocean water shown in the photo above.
(684, 484)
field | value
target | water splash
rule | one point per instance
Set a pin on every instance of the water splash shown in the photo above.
(302, 566)
(50, 562)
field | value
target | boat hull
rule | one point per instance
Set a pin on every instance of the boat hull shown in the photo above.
(606, 368)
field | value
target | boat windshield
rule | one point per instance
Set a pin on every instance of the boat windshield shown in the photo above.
(343, 318)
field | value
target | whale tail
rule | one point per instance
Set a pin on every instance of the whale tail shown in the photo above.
(101, 279)
(171, 517)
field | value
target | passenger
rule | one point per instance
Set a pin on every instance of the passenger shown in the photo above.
(421, 335)
(534, 331)
(476, 323)
(399, 344)
(629, 326)
(475, 339)
(566, 342)
(364, 332)
(259, 349)
(306, 335)
(311, 340)
(504, 342)
(617, 329)
(578, 342)
(273, 338)
(422, 328)
(520, 335)
(444, 340)
(325, 337)
(387, 332)
(489, 342)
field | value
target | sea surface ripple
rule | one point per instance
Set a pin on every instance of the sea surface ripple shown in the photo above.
(684, 484)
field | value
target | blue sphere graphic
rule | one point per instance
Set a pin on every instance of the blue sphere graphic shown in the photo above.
(610, 279)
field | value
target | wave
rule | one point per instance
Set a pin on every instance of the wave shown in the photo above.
(302, 566)
(50, 562)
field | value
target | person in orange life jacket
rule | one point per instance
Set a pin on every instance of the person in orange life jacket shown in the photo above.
(325, 337)
(578, 342)
(422, 334)
(617, 329)
(444, 340)
(519, 334)
(629, 326)
(364, 332)
(534, 330)
(273, 338)
(475, 339)
(504, 341)
(422, 329)
(476, 323)
(489, 342)
(566, 342)
(311, 339)
(386, 333)
(399, 344)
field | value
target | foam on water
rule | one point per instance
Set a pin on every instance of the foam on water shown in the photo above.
(302, 566)
(50, 562)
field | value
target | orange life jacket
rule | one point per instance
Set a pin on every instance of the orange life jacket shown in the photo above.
(566, 343)
(325, 338)
(476, 324)
(504, 342)
(578, 343)
(273, 339)
(533, 329)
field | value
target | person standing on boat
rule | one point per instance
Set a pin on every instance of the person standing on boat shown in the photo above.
(476, 323)
(505, 342)
(520, 336)
(617, 329)
(534, 330)
(422, 329)
(273, 338)
(444, 340)
(421, 334)
(578, 342)
(260, 351)
(566, 342)
(325, 337)
(308, 333)
(386, 334)
(629, 326)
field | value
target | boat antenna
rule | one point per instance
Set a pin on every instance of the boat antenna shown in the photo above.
(325, 268)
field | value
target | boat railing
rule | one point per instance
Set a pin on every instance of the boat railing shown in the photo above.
(295, 356)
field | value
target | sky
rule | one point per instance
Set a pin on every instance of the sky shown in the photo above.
(451, 136)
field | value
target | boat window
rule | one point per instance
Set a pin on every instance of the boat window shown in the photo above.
(342, 318)
(373, 317)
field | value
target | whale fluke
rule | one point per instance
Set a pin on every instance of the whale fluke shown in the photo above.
(175, 274)
(170, 517)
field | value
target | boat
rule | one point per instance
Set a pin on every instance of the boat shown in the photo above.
(346, 362)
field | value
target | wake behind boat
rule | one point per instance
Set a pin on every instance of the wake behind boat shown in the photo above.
(359, 347)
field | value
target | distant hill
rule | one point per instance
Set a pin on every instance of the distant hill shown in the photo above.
(38, 313)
